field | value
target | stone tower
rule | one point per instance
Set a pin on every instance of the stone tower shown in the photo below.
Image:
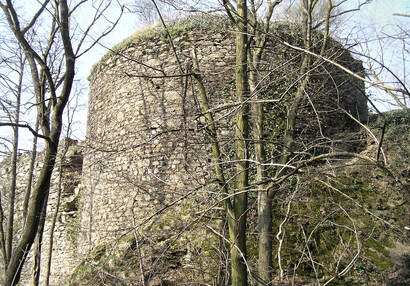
(146, 145)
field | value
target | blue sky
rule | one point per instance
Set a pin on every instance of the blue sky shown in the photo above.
(374, 22)
(380, 12)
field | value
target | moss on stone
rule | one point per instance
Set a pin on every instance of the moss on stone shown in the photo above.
(98, 252)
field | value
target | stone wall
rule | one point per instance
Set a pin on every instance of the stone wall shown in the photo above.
(146, 145)
(144, 148)
(65, 183)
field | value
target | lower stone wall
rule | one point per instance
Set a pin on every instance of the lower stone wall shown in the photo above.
(65, 255)
(127, 188)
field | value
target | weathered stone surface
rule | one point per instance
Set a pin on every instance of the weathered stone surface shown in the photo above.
(137, 147)
(64, 256)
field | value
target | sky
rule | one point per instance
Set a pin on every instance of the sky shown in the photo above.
(378, 20)
(381, 12)
(373, 19)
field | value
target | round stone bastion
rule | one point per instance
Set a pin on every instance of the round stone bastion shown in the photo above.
(146, 146)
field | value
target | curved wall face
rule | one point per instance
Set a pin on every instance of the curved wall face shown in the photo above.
(145, 150)
(145, 144)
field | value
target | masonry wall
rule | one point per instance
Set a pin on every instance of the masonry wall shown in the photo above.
(145, 149)
(146, 145)
(65, 183)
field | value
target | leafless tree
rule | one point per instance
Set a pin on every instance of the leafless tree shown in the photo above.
(385, 67)
(52, 67)
(13, 85)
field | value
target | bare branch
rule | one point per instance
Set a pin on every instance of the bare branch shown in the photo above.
(97, 15)
(401, 14)
(383, 86)
(28, 127)
(35, 17)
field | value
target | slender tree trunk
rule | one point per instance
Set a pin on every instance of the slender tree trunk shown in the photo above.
(265, 196)
(38, 243)
(2, 239)
(55, 215)
(292, 112)
(265, 225)
(13, 177)
(265, 265)
(212, 134)
(11, 195)
(39, 196)
(30, 174)
(238, 242)
(238, 232)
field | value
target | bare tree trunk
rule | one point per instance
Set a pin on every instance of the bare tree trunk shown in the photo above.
(30, 173)
(260, 30)
(265, 263)
(238, 232)
(308, 6)
(11, 196)
(55, 215)
(37, 249)
(40, 195)
(212, 134)
(265, 225)
(237, 227)
(13, 177)
(2, 239)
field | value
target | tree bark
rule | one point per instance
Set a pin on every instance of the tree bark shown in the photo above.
(30, 173)
(39, 196)
(265, 200)
(13, 177)
(238, 232)
(38, 243)
(265, 263)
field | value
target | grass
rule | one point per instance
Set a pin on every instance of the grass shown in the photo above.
(175, 27)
